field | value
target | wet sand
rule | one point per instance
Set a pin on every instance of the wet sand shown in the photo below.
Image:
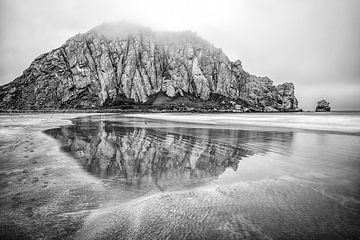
(47, 193)
(44, 193)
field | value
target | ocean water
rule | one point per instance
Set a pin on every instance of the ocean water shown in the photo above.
(291, 175)
(345, 122)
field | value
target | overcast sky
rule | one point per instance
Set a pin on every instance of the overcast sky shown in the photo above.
(313, 43)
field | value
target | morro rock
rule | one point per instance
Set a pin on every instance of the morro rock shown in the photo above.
(323, 106)
(121, 64)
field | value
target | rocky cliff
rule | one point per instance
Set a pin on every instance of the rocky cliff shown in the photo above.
(123, 64)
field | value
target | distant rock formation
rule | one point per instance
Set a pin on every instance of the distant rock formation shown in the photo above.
(323, 106)
(121, 64)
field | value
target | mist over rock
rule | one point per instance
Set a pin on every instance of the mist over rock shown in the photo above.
(119, 64)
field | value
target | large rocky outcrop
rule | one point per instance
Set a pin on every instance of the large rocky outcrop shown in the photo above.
(117, 64)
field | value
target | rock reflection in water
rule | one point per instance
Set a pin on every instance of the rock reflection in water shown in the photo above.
(167, 157)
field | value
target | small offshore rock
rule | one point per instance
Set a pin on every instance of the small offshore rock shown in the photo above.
(323, 106)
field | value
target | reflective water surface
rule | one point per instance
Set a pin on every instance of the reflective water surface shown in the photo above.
(303, 182)
(145, 153)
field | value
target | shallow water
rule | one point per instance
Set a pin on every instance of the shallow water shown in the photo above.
(344, 122)
(316, 171)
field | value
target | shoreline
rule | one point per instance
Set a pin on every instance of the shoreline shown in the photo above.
(274, 121)
(143, 110)
(11, 111)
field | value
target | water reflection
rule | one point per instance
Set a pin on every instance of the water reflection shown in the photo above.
(141, 153)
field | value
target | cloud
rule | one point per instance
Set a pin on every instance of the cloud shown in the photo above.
(313, 43)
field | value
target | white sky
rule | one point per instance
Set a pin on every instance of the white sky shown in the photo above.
(313, 43)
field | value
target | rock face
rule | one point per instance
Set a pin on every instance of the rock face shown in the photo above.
(323, 106)
(119, 64)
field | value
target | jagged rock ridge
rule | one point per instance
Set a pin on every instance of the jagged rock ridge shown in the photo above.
(117, 64)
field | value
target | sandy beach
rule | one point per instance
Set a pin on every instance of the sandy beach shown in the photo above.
(143, 176)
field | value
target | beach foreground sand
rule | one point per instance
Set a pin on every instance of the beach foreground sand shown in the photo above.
(44, 193)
